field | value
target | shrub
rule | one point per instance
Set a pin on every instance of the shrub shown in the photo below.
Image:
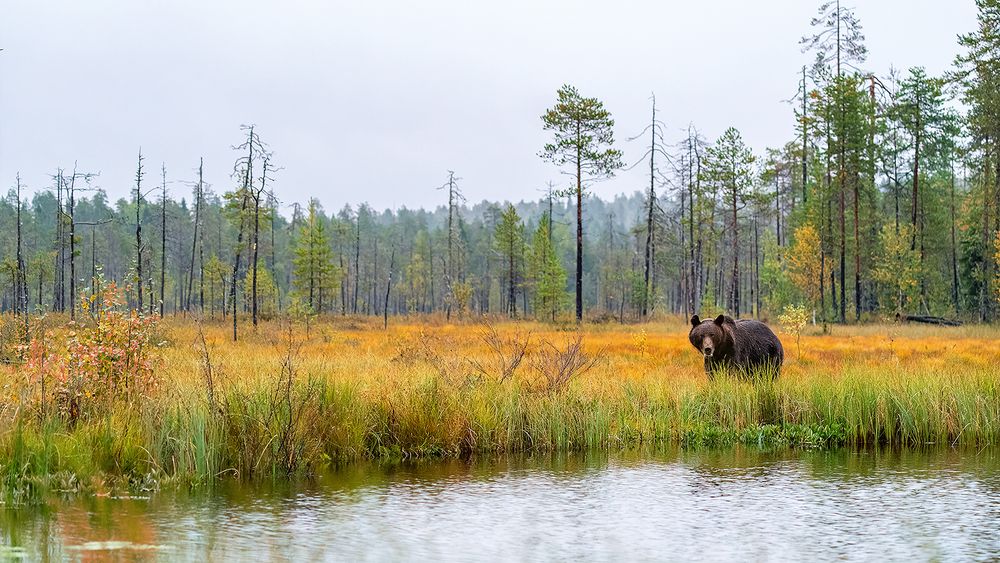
(558, 366)
(794, 319)
(506, 353)
(106, 360)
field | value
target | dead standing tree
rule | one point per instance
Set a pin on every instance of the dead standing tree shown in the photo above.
(656, 148)
(243, 167)
(138, 230)
(257, 194)
(196, 243)
(21, 286)
(455, 198)
(689, 171)
(59, 272)
(67, 219)
(163, 236)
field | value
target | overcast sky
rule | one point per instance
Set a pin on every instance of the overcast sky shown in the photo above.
(375, 101)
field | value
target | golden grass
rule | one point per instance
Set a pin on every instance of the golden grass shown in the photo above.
(357, 391)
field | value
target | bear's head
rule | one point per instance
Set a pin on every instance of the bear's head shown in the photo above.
(712, 337)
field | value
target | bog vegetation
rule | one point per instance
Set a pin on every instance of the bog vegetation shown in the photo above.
(167, 337)
(122, 401)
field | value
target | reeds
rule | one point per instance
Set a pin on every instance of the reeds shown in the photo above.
(276, 405)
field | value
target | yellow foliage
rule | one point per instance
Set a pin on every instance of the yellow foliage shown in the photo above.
(804, 263)
(899, 266)
(356, 391)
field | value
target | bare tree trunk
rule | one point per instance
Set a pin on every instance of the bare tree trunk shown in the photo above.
(510, 278)
(22, 279)
(651, 206)
(916, 184)
(163, 239)
(59, 272)
(194, 238)
(777, 207)
(736, 258)
(805, 141)
(373, 305)
(923, 256)
(695, 250)
(72, 244)
(954, 249)
(247, 186)
(357, 261)
(93, 259)
(579, 232)
(756, 264)
(388, 287)
(343, 278)
(842, 315)
(857, 251)
(236, 265)
(138, 230)
(256, 236)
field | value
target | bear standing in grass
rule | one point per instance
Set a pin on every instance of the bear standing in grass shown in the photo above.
(746, 346)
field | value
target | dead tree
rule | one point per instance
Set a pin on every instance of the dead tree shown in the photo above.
(257, 194)
(357, 260)
(198, 195)
(272, 204)
(21, 286)
(67, 218)
(58, 274)
(163, 237)
(243, 167)
(388, 288)
(655, 131)
(454, 198)
(138, 230)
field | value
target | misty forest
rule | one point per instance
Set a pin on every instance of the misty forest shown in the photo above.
(887, 201)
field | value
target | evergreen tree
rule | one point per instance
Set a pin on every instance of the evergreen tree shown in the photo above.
(314, 273)
(729, 166)
(509, 244)
(583, 135)
(548, 277)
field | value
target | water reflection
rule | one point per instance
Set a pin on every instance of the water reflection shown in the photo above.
(735, 504)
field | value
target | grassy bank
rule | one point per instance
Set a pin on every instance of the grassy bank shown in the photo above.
(282, 402)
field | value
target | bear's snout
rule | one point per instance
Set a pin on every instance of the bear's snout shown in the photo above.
(707, 347)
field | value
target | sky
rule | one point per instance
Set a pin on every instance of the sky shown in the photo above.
(375, 101)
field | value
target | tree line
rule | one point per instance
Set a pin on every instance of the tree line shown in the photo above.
(886, 201)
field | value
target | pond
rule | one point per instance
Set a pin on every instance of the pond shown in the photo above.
(738, 504)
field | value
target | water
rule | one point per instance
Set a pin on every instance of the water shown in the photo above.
(734, 505)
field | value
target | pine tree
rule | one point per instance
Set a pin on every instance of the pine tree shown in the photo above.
(729, 165)
(314, 273)
(548, 277)
(583, 137)
(509, 243)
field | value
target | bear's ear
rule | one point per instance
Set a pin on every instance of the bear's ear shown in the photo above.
(695, 321)
(720, 319)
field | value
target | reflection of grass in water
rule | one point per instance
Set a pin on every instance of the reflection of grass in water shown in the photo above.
(356, 392)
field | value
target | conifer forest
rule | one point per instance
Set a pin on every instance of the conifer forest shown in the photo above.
(885, 202)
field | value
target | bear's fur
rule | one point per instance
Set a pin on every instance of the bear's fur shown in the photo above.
(745, 346)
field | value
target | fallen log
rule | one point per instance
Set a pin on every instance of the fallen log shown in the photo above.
(928, 319)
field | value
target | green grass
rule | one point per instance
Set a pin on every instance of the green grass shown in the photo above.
(252, 436)
(352, 399)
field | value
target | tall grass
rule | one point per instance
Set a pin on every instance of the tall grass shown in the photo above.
(352, 392)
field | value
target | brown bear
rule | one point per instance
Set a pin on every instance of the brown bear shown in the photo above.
(747, 347)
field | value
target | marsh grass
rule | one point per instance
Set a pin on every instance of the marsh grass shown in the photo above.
(278, 404)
